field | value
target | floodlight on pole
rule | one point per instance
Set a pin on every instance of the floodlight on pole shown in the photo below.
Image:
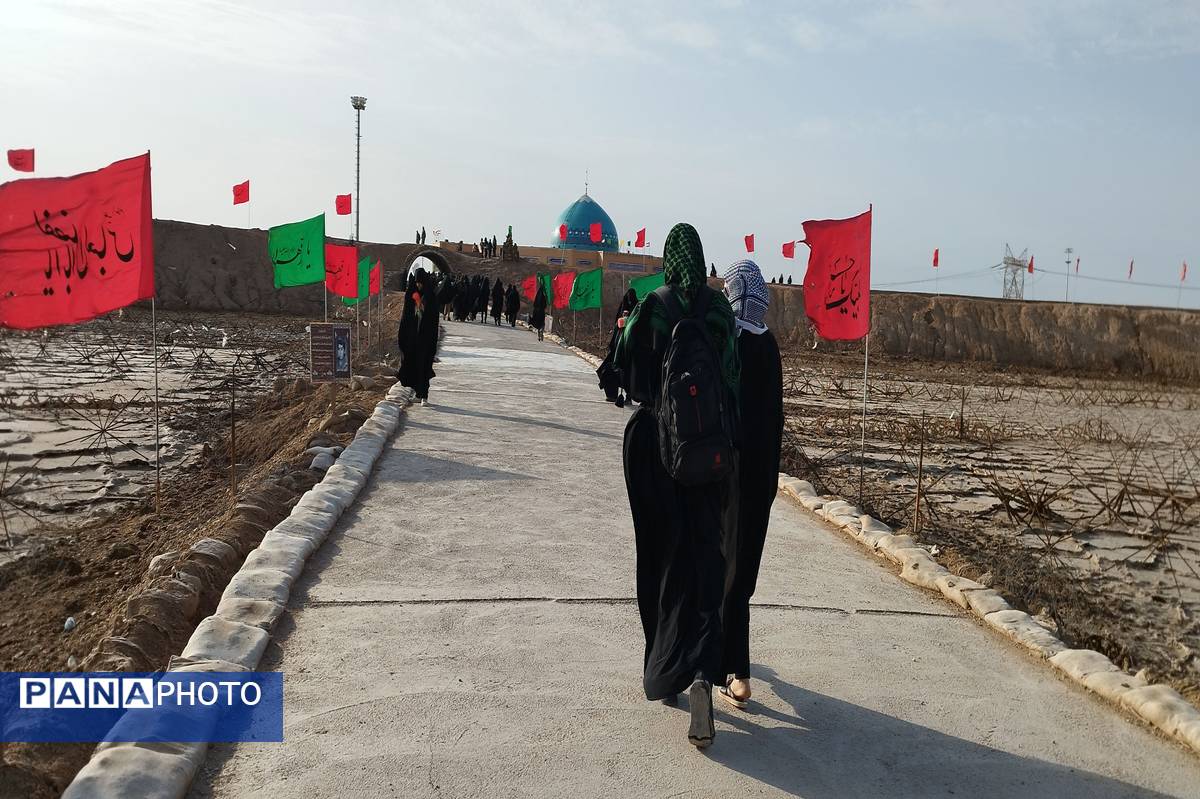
(359, 104)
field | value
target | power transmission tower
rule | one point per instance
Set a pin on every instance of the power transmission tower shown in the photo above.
(1015, 267)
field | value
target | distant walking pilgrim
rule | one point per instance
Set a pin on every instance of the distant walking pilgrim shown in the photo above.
(760, 402)
(498, 301)
(418, 334)
(677, 356)
(512, 305)
(537, 318)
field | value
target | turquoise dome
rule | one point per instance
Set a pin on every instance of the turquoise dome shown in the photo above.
(579, 217)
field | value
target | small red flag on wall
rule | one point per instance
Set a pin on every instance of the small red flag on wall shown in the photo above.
(837, 284)
(342, 204)
(562, 232)
(641, 238)
(750, 243)
(1031, 264)
(21, 160)
(241, 193)
(789, 249)
(596, 234)
(935, 257)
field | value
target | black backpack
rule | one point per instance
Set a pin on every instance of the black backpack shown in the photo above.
(694, 408)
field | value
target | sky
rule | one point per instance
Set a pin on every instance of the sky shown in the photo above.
(967, 125)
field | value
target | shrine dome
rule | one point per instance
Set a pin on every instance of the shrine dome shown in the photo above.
(579, 217)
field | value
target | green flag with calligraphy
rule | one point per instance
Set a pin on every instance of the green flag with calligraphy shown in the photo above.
(586, 291)
(297, 251)
(645, 285)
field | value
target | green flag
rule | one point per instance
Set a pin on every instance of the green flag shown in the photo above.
(586, 291)
(644, 285)
(546, 280)
(364, 283)
(297, 251)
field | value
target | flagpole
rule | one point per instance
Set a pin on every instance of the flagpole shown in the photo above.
(157, 447)
(862, 456)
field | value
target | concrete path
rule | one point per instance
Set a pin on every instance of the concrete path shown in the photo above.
(469, 629)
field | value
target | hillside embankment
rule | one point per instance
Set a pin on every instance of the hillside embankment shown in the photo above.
(208, 267)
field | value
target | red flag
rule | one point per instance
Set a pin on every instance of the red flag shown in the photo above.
(1077, 266)
(750, 243)
(21, 160)
(596, 233)
(241, 193)
(1031, 264)
(376, 278)
(562, 232)
(341, 269)
(935, 257)
(563, 282)
(529, 287)
(789, 249)
(641, 238)
(74, 248)
(837, 285)
(342, 204)
(1130, 270)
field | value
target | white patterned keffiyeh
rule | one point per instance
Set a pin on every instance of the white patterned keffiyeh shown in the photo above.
(747, 293)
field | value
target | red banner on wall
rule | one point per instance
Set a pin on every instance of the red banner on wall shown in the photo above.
(563, 283)
(74, 248)
(341, 269)
(529, 287)
(837, 285)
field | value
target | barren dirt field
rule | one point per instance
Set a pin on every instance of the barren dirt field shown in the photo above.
(1078, 497)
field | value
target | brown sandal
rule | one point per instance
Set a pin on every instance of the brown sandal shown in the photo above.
(726, 693)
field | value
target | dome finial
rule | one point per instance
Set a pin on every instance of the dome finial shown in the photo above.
(585, 182)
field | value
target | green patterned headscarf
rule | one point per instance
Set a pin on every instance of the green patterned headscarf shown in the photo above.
(683, 259)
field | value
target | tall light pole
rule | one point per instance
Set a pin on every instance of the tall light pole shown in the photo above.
(1068, 252)
(359, 104)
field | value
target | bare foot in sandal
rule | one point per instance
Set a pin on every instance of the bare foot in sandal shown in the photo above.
(735, 692)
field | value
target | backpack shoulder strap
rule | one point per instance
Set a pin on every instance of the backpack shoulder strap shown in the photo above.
(703, 298)
(666, 295)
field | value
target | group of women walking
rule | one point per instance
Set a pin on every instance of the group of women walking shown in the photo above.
(701, 453)
(699, 533)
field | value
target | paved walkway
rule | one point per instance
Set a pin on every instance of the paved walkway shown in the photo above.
(469, 629)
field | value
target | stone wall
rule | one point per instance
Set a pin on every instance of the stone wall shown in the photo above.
(207, 267)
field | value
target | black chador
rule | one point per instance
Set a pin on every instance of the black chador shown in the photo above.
(498, 301)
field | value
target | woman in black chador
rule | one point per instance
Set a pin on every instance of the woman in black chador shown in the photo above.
(498, 301)
(512, 305)
(610, 378)
(760, 398)
(678, 528)
(418, 334)
(481, 299)
(537, 318)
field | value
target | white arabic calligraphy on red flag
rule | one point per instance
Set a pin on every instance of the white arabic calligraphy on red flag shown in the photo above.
(74, 248)
(837, 285)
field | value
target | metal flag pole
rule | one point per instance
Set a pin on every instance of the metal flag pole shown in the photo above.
(157, 448)
(862, 453)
